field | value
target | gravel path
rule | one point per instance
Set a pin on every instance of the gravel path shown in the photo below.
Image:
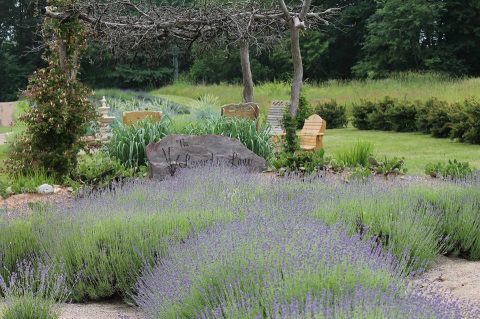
(458, 277)
(99, 311)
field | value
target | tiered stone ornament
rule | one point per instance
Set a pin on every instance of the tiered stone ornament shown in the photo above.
(104, 121)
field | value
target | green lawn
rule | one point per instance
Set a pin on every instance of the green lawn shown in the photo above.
(418, 149)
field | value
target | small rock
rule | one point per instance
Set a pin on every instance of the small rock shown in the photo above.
(45, 189)
(70, 189)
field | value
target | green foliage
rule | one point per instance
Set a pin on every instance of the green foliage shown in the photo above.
(357, 155)
(387, 167)
(29, 308)
(361, 112)
(359, 173)
(128, 143)
(244, 130)
(466, 122)
(400, 37)
(434, 117)
(378, 119)
(59, 108)
(451, 169)
(99, 170)
(334, 114)
(28, 181)
(307, 162)
(289, 124)
(206, 107)
(303, 112)
(402, 116)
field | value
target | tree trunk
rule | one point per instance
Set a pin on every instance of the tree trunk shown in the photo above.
(62, 54)
(295, 27)
(246, 73)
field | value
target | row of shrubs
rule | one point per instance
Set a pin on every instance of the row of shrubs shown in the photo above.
(459, 121)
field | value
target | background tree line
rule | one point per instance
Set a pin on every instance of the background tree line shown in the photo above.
(371, 39)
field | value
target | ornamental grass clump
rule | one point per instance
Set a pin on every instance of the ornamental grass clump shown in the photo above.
(245, 130)
(128, 143)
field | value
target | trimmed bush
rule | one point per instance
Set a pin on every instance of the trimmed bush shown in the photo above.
(401, 116)
(378, 119)
(333, 113)
(434, 117)
(361, 114)
(466, 122)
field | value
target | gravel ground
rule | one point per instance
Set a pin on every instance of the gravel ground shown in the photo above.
(99, 311)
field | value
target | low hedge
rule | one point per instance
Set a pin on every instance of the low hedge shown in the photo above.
(459, 121)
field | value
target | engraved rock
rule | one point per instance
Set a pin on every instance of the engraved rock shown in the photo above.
(175, 152)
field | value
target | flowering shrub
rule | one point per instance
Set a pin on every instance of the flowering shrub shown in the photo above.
(60, 111)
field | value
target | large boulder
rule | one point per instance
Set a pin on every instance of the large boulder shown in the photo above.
(176, 152)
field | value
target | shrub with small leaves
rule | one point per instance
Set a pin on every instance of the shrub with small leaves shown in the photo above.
(401, 116)
(378, 119)
(333, 113)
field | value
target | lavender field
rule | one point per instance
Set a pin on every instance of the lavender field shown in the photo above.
(221, 243)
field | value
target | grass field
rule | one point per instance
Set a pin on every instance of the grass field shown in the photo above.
(418, 149)
(410, 86)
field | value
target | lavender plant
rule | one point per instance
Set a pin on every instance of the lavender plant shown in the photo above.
(245, 268)
(32, 291)
(106, 238)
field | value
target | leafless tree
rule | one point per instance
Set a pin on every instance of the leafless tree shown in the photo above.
(126, 25)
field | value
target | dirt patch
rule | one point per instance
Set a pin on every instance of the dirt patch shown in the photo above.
(6, 113)
(454, 278)
(99, 311)
(19, 205)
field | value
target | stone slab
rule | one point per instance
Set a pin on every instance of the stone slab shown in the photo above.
(175, 152)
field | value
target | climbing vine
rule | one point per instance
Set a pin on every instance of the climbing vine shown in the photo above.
(60, 110)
